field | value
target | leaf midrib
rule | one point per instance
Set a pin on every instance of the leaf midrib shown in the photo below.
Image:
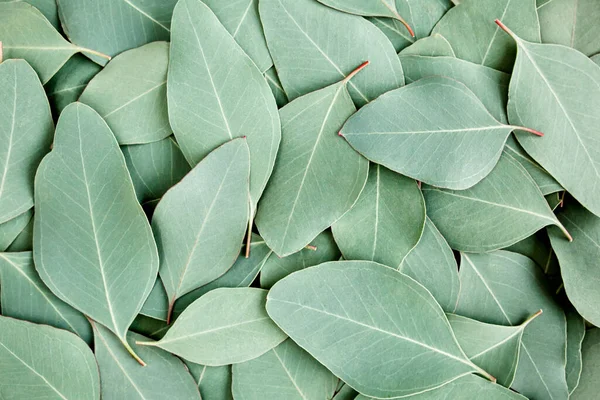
(289, 374)
(145, 14)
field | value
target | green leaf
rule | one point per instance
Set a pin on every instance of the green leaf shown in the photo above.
(150, 327)
(538, 248)
(47, 8)
(240, 18)
(285, 372)
(68, 83)
(157, 304)
(114, 26)
(24, 241)
(489, 85)
(575, 335)
(164, 377)
(386, 222)
(130, 93)
(322, 249)
(323, 56)
(26, 129)
(469, 29)
(505, 288)
(494, 348)
(578, 260)
(93, 246)
(507, 204)
(10, 229)
(435, 130)
(199, 223)
(208, 67)
(155, 167)
(41, 362)
(364, 321)
(24, 296)
(276, 87)
(590, 351)
(550, 101)
(345, 392)
(572, 23)
(596, 59)
(431, 46)
(423, 15)
(394, 30)
(432, 264)
(214, 382)
(225, 326)
(317, 176)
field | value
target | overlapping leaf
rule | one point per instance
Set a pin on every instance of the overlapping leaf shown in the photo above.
(213, 382)
(10, 229)
(588, 384)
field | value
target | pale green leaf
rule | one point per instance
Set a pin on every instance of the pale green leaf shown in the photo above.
(502, 209)
(150, 327)
(596, 59)
(366, 8)
(422, 15)
(394, 30)
(505, 288)
(130, 93)
(47, 8)
(575, 336)
(199, 223)
(24, 241)
(225, 326)
(386, 222)
(41, 362)
(286, 372)
(24, 296)
(275, 85)
(10, 229)
(26, 130)
(590, 352)
(538, 248)
(317, 176)
(345, 392)
(431, 46)
(157, 304)
(214, 382)
(372, 326)
(93, 246)
(326, 49)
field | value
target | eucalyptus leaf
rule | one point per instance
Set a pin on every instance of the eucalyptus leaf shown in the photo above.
(214, 382)
(24, 296)
(358, 320)
(276, 87)
(575, 336)
(130, 93)
(24, 241)
(113, 26)
(505, 288)
(507, 204)
(157, 304)
(225, 326)
(555, 89)
(386, 222)
(317, 176)
(208, 68)
(345, 392)
(469, 29)
(149, 327)
(10, 229)
(121, 377)
(47, 8)
(596, 59)
(431, 46)
(423, 15)
(93, 246)
(394, 30)
(326, 49)
(285, 372)
(199, 223)
(26, 129)
(538, 248)
(42, 362)
(590, 351)
(432, 264)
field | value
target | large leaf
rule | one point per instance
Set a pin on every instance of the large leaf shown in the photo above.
(93, 246)
(113, 26)
(225, 326)
(27, 34)
(546, 92)
(24, 296)
(317, 176)
(41, 362)
(375, 328)
(469, 29)
(572, 23)
(575, 336)
(326, 49)
(435, 130)
(240, 18)
(504, 208)
(432, 264)
(431, 46)
(26, 130)
(130, 93)
(505, 288)
(199, 223)
(155, 167)
(165, 376)
(589, 384)
(286, 372)
(214, 383)
(386, 222)
(579, 260)
(10, 229)
(208, 68)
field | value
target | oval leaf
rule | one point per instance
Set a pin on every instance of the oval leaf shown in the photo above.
(431, 46)
(588, 384)
(575, 335)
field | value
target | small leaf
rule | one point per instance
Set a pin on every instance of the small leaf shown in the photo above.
(24, 241)
(213, 382)
(431, 46)
(10, 229)
(157, 304)
(590, 352)
(575, 336)
(276, 87)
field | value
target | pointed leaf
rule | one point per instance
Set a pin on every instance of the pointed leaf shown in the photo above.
(276, 87)
(10, 229)
(508, 204)
(538, 248)
(422, 15)
(358, 320)
(130, 93)
(575, 336)
(431, 46)
(345, 392)
(322, 55)
(157, 304)
(590, 351)
(225, 326)
(367, 8)
(24, 241)
(394, 30)
(26, 130)
(93, 246)
(213, 382)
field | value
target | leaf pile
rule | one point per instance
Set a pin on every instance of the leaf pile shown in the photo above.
(299, 199)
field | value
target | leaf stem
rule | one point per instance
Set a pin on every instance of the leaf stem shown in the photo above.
(249, 237)
(130, 350)
(485, 374)
(1, 52)
(522, 128)
(534, 316)
(170, 310)
(505, 29)
(142, 343)
(356, 71)
(94, 52)
(311, 247)
(399, 18)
